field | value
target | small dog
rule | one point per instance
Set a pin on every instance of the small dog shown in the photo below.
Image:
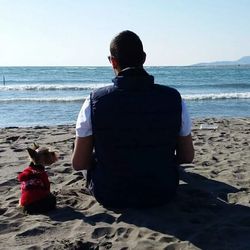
(35, 186)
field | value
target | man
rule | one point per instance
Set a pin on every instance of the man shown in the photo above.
(140, 132)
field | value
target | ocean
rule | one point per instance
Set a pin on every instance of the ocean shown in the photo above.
(44, 96)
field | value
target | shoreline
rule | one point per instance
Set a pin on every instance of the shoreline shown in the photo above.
(211, 209)
(194, 120)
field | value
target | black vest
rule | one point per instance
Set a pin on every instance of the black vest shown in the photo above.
(135, 128)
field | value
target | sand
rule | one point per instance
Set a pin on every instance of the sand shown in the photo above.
(211, 210)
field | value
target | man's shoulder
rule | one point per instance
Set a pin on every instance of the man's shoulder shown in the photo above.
(167, 89)
(102, 91)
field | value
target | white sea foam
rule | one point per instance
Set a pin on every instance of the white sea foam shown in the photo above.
(214, 96)
(194, 97)
(42, 87)
(49, 99)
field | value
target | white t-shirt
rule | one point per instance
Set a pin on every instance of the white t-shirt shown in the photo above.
(84, 125)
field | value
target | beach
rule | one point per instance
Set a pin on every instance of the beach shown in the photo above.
(211, 209)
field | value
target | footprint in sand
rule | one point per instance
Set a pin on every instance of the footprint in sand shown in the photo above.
(100, 232)
(2, 210)
(12, 138)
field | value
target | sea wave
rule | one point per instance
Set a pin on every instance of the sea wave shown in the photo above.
(191, 97)
(48, 99)
(39, 87)
(215, 96)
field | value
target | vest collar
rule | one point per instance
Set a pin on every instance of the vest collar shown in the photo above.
(133, 78)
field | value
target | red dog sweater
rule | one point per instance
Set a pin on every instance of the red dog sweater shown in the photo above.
(34, 184)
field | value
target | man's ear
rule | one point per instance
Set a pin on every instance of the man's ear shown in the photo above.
(32, 154)
(114, 63)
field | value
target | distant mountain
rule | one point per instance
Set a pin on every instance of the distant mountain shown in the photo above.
(242, 61)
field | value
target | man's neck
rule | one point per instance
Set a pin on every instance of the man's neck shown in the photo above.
(118, 70)
(130, 71)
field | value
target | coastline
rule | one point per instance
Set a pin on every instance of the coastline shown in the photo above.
(31, 92)
(211, 210)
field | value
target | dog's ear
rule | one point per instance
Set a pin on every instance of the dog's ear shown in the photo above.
(32, 154)
(35, 146)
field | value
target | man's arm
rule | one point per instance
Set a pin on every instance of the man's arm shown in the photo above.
(185, 149)
(82, 154)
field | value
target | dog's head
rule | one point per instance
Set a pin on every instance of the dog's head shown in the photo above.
(42, 156)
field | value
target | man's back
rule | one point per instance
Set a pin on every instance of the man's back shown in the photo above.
(135, 127)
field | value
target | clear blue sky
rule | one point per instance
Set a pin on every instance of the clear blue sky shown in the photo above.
(78, 32)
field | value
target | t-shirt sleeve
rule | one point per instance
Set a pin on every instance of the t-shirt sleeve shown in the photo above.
(186, 124)
(83, 123)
